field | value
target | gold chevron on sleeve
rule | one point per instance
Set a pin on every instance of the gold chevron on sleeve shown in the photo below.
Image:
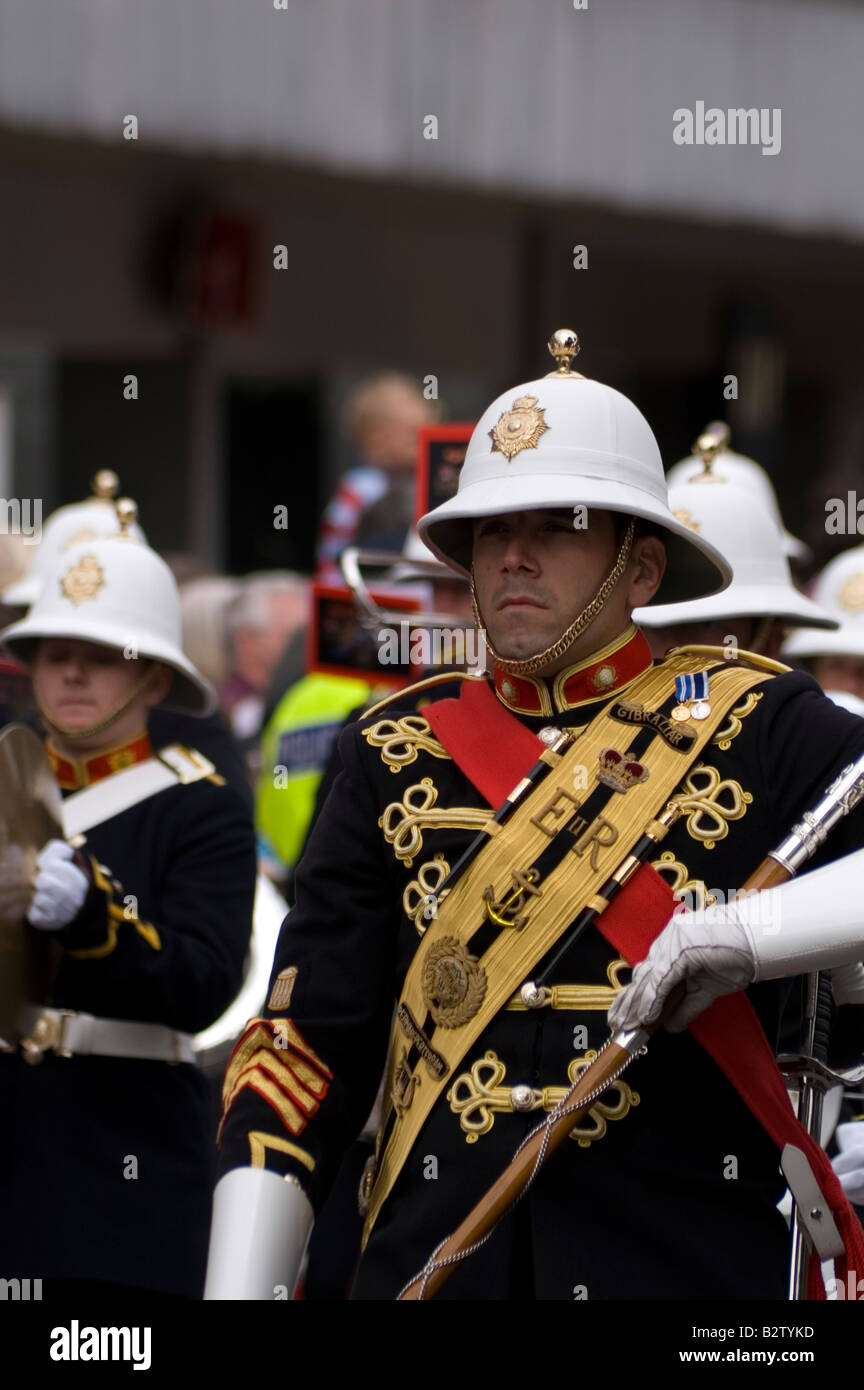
(259, 1143)
(294, 1039)
(273, 1059)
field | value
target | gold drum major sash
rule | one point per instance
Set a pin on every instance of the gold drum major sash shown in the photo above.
(518, 896)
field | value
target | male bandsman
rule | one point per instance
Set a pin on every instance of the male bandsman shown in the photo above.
(426, 915)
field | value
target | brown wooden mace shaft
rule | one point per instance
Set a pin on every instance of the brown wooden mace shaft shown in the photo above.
(506, 1189)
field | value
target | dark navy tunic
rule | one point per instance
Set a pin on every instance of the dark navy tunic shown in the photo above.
(676, 1199)
(106, 1164)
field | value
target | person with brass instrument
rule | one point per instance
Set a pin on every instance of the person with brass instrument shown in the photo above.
(459, 895)
(147, 894)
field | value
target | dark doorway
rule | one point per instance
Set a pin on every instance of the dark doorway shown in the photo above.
(273, 449)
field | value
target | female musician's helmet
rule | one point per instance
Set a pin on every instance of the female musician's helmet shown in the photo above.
(117, 593)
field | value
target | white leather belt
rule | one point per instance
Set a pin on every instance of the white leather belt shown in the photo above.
(71, 1034)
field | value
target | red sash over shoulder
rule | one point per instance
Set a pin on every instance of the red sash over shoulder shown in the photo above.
(495, 750)
(484, 739)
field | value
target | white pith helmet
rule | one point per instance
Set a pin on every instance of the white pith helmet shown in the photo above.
(736, 520)
(560, 442)
(65, 528)
(839, 589)
(120, 594)
(738, 468)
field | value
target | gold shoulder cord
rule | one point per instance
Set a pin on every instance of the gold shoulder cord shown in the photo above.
(442, 678)
(755, 659)
(412, 1087)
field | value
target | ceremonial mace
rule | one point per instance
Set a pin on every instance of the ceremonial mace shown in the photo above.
(778, 867)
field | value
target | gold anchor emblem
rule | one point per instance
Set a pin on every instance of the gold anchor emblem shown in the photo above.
(504, 913)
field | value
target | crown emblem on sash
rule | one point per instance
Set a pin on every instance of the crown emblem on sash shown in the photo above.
(618, 772)
(519, 428)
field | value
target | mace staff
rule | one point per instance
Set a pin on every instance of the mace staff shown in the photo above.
(780, 865)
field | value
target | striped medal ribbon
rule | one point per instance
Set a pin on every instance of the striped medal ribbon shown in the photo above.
(692, 693)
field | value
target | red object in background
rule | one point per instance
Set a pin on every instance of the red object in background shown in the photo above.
(222, 270)
(337, 644)
(16, 693)
(440, 455)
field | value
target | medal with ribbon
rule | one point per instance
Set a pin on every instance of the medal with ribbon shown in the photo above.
(692, 693)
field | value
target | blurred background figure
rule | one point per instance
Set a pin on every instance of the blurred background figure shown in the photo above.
(96, 516)
(204, 606)
(298, 756)
(268, 612)
(15, 558)
(374, 503)
(723, 462)
(836, 659)
(16, 701)
(735, 509)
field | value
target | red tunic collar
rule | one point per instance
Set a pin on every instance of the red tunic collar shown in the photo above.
(603, 673)
(81, 772)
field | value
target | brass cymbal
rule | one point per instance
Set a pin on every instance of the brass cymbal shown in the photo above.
(30, 814)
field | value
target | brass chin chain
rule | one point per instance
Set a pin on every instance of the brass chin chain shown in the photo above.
(109, 719)
(531, 664)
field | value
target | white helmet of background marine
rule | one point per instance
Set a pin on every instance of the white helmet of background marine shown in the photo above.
(564, 441)
(738, 468)
(737, 521)
(65, 528)
(839, 589)
(117, 593)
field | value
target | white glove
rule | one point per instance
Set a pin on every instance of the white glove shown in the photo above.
(61, 888)
(849, 1163)
(710, 950)
(814, 922)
